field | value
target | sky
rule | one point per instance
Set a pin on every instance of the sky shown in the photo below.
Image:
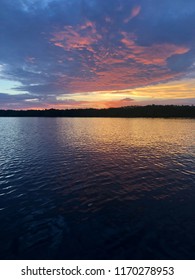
(96, 53)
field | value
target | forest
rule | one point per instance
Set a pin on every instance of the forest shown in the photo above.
(149, 111)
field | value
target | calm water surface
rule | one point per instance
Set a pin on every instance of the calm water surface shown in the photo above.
(97, 188)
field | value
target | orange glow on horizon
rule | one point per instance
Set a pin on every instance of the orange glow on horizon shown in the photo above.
(168, 93)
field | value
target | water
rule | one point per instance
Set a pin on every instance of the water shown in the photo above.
(97, 188)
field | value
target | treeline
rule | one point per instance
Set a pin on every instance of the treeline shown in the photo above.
(150, 111)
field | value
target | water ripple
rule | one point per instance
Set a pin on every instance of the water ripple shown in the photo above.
(101, 188)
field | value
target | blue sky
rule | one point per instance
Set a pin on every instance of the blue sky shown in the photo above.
(96, 53)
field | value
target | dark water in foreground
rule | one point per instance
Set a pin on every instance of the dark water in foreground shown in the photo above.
(97, 188)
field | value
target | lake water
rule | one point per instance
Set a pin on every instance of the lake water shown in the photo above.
(97, 188)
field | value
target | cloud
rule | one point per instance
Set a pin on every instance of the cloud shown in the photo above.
(181, 63)
(154, 54)
(30, 102)
(8, 101)
(169, 21)
(127, 99)
(181, 89)
(134, 13)
(79, 37)
(56, 48)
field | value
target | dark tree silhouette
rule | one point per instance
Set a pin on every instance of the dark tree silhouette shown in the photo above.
(150, 111)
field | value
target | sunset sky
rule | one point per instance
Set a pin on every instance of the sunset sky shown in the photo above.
(96, 53)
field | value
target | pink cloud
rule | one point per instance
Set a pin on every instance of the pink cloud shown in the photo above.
(134, 13)
(117, 67)
(81, 37)
(156, 54)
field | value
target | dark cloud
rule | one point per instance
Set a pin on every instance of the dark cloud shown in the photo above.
(128, 99)
(9, 101)
(181, 63)
(5, 98)
(28, 101)
(167, 21)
